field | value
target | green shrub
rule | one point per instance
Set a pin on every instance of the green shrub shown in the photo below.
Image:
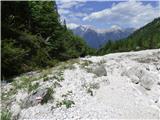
(5, 114)
(68, 103)
(32, 87)
(48, 96)
(12, 58)
(90, 91)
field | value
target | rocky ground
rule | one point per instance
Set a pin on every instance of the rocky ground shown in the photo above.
(120, 86)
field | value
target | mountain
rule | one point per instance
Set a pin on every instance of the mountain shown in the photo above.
(96, 38)
(118, 86)
(146, 37)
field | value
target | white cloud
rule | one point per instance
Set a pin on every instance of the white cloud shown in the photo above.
(130, 13)
(80, 14)
(72, 25)
(66, 4)
(63, 11)
(115, 27)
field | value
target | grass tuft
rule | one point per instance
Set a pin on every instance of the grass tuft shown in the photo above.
(5, 114)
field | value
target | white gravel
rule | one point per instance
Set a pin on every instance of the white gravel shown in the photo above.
(118, 96)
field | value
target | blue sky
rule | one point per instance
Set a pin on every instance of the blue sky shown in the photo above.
(105, 14)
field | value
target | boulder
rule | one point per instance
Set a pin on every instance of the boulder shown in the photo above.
(139, 74)
(99, 70)
(134, 79)
(148, 80)
(40, 96)
(134, 73)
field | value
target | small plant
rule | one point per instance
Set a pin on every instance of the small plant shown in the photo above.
(58, 104)
(94, 86)
(32, 87)
(68, 93)
(71, 67)
(5, 114)
(101, 62)
(57, 84)
(21, 83)
(48, 96)
(59, 76)
(5, 96)
(86, 63)
(90, 91)
(26, 83)
(46, 78)
(9, 94)
(67, 64)
(68, 103)
(91, 87)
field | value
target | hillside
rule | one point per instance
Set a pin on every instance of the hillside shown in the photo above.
(146, 37)
(96, 38)
(114, 86)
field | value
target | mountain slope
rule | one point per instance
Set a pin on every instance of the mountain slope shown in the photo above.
(96, 38)
(146, 37)
(114, 86)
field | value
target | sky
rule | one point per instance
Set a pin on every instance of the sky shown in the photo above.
(106, 14)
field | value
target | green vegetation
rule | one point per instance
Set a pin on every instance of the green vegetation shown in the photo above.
(86, 63)
(58, 76)
(25, 83)
(32, 87)
(33, 37)
(48, 96)
(5, 114)
(68, 103)
(89, 91)
(65, 102)
(90, 87)
(146, 37)
(67, 94)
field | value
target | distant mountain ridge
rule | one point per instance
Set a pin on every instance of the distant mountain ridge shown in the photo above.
(96, 38)
(147, 37)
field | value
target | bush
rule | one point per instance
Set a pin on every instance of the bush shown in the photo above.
(68, 103)
(12, 57)
(48, 96)
(5, 114)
